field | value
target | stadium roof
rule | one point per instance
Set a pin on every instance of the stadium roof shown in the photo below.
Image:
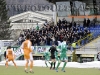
(29, 19)
(30, 15)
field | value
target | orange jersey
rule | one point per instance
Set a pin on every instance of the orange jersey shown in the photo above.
(26, 45)
(10, 54)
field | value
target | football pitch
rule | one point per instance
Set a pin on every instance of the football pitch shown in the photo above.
(46, 71)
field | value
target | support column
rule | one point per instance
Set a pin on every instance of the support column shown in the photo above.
(72, 10)
(94, 7)
(95, 57)
(55, 14)
(71, 58)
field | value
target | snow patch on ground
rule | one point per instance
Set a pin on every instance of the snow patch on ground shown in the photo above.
(41, 63)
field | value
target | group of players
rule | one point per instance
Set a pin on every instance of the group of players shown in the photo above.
(27, 50)
(54, 56)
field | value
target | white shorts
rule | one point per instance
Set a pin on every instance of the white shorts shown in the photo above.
(31, 57)
(6, 59)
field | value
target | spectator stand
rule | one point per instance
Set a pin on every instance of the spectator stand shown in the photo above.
(48, 34)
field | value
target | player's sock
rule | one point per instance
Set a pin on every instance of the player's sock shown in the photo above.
(46, 64)
(31, 71)
(26, 70)
(51, 65)
(6, 64)
(57, 65)
(15, 64)
(54, 65)
(64, 66)
(26, 65)
(31, 65)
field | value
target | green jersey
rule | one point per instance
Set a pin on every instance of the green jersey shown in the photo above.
(63, 47)
(46, 55)
(56, 55)
(63, 51)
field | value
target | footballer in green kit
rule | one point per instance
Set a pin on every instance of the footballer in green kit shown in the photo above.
(56, 56)
(63, 55)
(46, 57)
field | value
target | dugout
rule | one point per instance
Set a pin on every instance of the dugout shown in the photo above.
(34, 57)
(85, 57)
(40, 58)
(80, 58)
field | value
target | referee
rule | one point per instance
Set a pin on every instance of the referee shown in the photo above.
(52, 50)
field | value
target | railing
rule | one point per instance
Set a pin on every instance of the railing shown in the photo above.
(85, 40)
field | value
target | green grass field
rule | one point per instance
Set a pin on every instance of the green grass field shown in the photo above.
(46, 71)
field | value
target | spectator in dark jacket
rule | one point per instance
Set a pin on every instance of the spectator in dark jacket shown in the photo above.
(84, 23)
(98, 56)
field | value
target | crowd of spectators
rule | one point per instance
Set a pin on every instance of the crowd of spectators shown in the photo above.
(49, 34)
